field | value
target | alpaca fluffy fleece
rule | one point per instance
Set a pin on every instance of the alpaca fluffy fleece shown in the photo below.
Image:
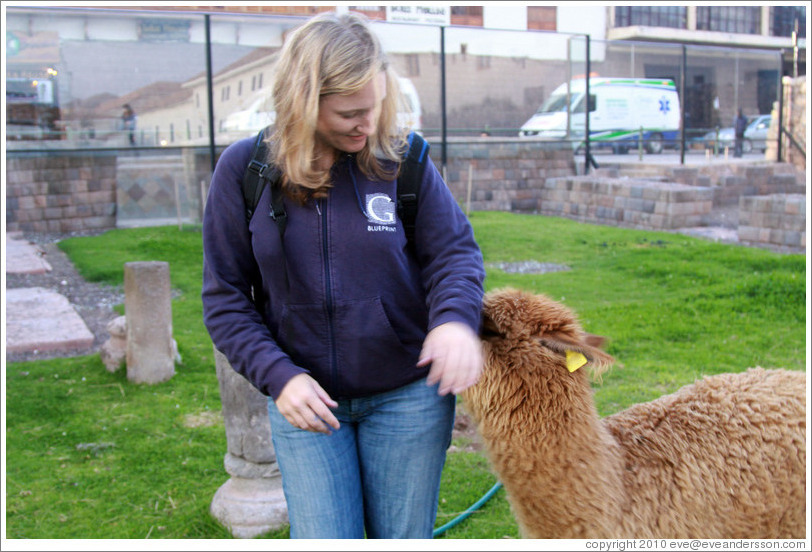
(724, 457)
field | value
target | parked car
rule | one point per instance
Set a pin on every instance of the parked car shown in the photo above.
(727, 137)
(755, 135)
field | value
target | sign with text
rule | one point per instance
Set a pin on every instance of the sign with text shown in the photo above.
(428, 15)
(160, 30)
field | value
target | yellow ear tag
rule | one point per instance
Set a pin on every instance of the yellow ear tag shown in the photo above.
(575, 360)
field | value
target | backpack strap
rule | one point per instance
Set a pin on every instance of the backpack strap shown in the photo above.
(257, 174)
(409, 181)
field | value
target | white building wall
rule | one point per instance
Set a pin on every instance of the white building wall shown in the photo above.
(582, 19)
(511, 17)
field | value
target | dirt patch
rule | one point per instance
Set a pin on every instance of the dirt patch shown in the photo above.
(207, 418)
(464, 436)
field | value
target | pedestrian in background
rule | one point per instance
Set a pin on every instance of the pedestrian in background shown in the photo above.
(739, 126)
(360, 340)
(128, 119)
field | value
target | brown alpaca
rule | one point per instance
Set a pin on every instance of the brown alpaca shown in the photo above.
(724, 457)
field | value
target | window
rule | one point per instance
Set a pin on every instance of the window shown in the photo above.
(253, 83)
(729, 19)
(239, 88)
(259, 82)
(225, 92)
(579, 107)
(541, 18)
(372, 12)
(665, 16)
(467, 15)
(783, 19)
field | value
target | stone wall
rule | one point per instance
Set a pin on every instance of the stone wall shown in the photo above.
(73, 191)
(505, 175)
(633, 203)
(777, 221)
(734, 181)
(755, 181)
(69, 191)
(64, 192)
(795, 115)
(794, 119)
(60, 193)
(729, 181)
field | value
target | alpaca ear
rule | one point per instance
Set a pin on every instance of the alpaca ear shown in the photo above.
(593, 340)
(588, 346)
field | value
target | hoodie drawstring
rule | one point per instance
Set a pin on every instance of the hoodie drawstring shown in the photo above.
(355, 186)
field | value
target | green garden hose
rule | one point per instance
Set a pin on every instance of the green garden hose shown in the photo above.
(473, 508)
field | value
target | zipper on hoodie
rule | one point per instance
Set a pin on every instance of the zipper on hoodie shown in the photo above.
(321, 209)
(328, 296)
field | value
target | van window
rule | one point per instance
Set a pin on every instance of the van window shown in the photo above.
(579, 107)
(556, 102)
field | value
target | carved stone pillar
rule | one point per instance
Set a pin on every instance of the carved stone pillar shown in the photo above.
(251, 502)
(148, 307)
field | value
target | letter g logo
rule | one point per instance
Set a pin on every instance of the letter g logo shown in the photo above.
(380, 209)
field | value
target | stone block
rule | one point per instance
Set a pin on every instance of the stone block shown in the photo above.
(758, 173)
(747, 233)
(245, 415)
(48, 322)
(114, 351)
(792, 238)
(251, 502)
(147, 304)
(250, 507)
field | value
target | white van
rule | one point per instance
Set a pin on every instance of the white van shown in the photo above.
(257, 116)
(260, 113)
(412, 117)
(619, 108)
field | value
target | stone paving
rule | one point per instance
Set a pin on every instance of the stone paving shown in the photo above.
(38, 319)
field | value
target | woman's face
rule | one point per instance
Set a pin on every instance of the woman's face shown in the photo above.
(346, 121)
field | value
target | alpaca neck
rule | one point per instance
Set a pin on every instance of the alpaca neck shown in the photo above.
(560, 467)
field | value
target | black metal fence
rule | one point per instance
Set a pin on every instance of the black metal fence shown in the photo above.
(203, 80)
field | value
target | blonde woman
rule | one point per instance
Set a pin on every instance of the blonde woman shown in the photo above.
(360, 341)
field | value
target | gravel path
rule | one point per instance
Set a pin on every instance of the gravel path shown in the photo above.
(93, 302)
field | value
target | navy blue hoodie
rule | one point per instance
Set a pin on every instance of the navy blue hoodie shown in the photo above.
(357, 302)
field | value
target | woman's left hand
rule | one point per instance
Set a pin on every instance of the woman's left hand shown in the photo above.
(455, 353)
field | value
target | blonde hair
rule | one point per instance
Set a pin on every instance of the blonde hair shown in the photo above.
(330, 54)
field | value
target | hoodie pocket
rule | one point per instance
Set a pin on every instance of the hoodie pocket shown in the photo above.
(304, 336)
(367, 342)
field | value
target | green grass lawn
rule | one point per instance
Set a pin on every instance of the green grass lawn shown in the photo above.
(90, 455)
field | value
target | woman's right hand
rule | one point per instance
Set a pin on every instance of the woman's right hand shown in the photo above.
(306, 405)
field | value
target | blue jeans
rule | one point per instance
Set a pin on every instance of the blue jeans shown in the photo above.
(378, 476)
